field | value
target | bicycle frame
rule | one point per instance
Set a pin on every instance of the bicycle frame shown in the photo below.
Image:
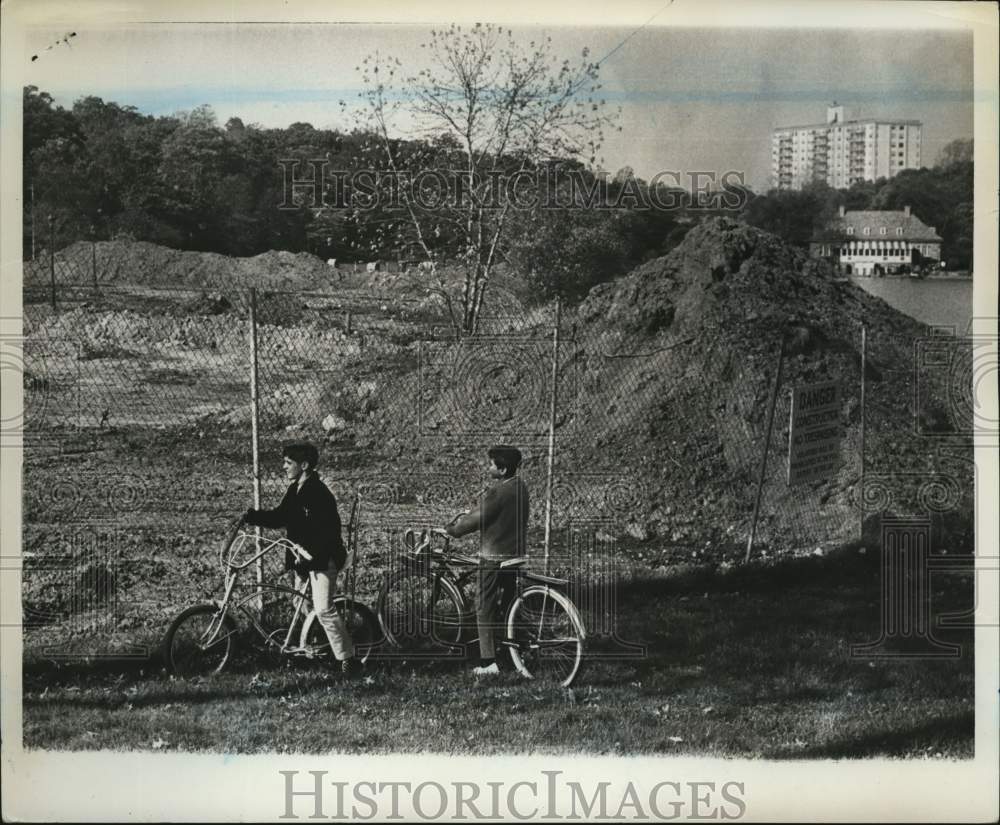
(458, 569)
(445, 560)
(285, 629)
(234, 568)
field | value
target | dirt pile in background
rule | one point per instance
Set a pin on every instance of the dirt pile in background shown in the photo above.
(165, 274)
(140, 263)
(149, 264)
(666, 385)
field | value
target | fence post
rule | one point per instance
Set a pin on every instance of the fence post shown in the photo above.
(255, 436)
(93, 259)
(861, 494)
(552, 432)
(32, 222)
(52, 260)
(767, 445)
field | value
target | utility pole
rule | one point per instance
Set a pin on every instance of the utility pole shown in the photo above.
(255, 436)
(552, 432)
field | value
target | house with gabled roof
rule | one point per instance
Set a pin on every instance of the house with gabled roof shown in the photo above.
(876, 242)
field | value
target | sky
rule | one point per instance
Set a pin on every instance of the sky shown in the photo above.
(692, 99)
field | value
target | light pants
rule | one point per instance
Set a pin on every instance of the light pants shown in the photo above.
(323, 586)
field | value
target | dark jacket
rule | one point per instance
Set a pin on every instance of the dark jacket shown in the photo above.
(501, 518)
(310, 518)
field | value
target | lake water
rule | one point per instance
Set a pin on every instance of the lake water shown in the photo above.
(935, 302)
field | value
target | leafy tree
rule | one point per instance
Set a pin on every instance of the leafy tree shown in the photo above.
(195, 158)
(488, 111)
(958, 151)
(791, 213)
(956, 248)
(565, 252)
(44, 122)
(56, 189)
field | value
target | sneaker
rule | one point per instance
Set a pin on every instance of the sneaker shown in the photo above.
(351, 668)
(486, 671)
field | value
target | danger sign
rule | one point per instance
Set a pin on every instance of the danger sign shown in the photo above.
(815, 432)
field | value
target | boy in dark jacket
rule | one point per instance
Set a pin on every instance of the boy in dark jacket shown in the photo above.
(308, 512)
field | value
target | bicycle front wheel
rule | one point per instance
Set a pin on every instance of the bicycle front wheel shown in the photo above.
(546, 636)
(197, 644)
(421, 612)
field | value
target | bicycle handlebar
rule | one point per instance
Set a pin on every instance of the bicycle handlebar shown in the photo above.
(226, 553)
(298, 550)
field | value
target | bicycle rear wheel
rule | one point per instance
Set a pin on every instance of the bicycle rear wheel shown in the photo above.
(546, 636)
(361, 623)
(419, 611)
(196, 645)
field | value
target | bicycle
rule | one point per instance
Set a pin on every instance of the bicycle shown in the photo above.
(204, 638)
(423, 608)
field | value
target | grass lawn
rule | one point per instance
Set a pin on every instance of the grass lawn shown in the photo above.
(754, 662)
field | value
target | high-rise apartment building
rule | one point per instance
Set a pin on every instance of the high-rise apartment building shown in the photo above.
(842, 152)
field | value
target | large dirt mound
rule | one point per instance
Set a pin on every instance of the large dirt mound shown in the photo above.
(687, 412)
(665, 390)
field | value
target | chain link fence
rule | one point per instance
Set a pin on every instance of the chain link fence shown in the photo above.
(138, 415)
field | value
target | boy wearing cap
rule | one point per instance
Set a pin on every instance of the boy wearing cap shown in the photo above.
(502, 521)
(308, 512)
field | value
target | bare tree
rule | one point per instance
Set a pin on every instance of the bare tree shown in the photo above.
(483, 117)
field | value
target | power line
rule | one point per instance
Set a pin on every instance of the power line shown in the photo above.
(633, 34)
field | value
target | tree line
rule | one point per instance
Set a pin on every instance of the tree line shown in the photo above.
(100, 170)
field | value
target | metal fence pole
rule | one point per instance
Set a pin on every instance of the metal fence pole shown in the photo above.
(255, 434)
(767, 445)
(861, 494)
(93, 259)
(52, 260)
(552, 432)
(32, 223)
